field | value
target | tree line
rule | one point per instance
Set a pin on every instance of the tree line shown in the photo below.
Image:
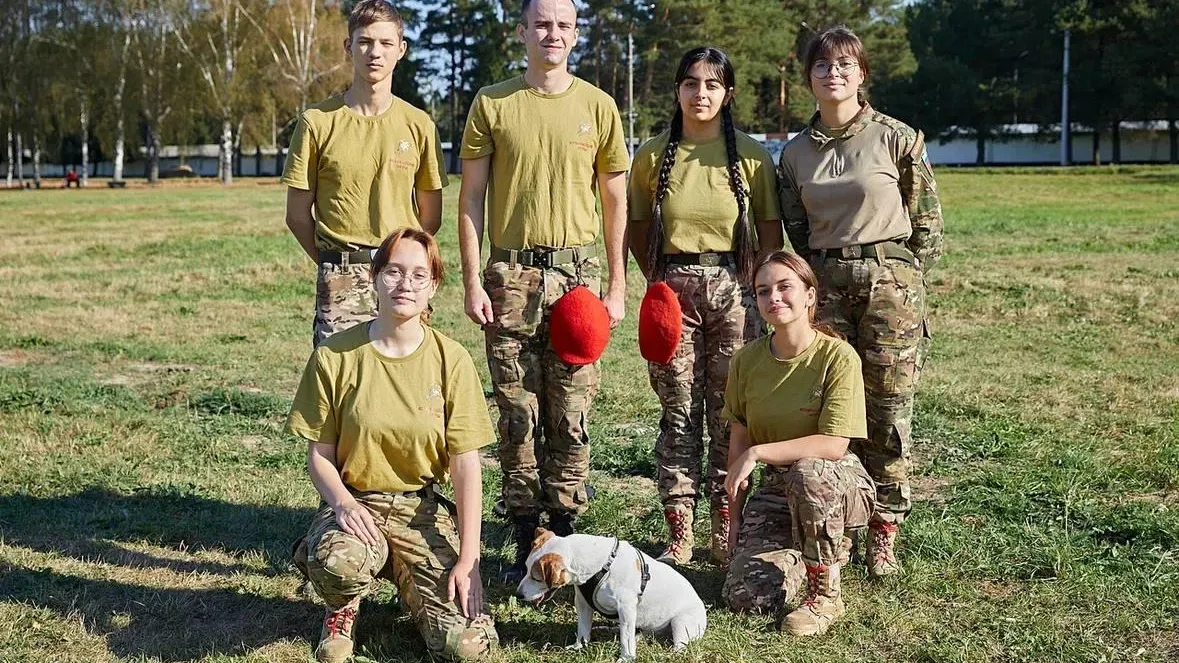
(88, 80)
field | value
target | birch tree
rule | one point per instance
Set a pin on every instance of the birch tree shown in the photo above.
(304, 41)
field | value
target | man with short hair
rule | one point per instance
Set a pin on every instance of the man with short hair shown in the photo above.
(361, 165)
(533, 151)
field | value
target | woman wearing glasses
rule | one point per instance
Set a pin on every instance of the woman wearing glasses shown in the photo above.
(860, 204)
(389, 408)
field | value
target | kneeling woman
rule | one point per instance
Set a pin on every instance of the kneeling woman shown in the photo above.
(794, 399)
(388, 407)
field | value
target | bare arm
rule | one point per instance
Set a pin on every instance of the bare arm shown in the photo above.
(769, 236)
(472, 199)
(300, 220)
(351, 516)
(465, 583)
(788, 452)
(639, 246)
(613, 189)
(739, 443)
(429, 209)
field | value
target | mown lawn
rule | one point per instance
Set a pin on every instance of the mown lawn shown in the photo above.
(150, 341)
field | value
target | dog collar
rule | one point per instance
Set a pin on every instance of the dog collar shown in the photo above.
(589, 587)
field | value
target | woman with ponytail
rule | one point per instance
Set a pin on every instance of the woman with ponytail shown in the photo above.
(794, 400)
(860, 203)
(702, 202)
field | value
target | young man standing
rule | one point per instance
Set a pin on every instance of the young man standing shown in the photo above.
(361, 165)
(533, 151)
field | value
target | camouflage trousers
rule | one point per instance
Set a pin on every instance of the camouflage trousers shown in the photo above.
(799, 515)
(543, 402)
(719, 316)
(419, 549)
(344, 297)
(879, 305)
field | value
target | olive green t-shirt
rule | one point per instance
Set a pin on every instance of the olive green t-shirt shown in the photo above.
(699, 209)
(821, 391)
(546, 152)
(363, 169)
(395, 422)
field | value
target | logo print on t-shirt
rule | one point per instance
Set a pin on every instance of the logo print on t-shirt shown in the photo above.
(434, 401)
(584, 129)
(402, 146)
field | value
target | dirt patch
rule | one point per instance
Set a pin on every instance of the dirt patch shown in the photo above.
(154, 367)
(998, 590)
(930, 489)
(17, 358)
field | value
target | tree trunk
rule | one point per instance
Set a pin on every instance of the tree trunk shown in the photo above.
(153, 156)
(1173, 134)
(36, 160)
(980, 148)
(84, 176)
(120, 88)
(20, 160)
(1115, 136)
(8, 148)
(225, 167)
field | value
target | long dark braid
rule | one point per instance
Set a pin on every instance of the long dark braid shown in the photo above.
(655, 257)
(744, 242)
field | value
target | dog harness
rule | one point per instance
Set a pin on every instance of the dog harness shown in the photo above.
(589, 587)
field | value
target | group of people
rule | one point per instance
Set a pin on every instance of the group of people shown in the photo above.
(802, 361)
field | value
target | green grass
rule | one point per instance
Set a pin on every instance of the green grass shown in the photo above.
(150, 341)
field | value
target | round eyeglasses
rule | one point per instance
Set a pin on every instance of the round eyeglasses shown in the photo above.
(416, 281)
(823, 69)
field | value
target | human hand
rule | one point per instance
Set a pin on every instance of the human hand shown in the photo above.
(478, 305)
(465, 585)
(356, 520)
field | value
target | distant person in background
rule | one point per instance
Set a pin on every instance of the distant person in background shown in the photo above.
(703, 198)
(361, 165)
(72, 178)
(860, 203)
(389, 408)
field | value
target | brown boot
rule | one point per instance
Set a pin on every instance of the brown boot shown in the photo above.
(882, 538)
(822, 604)
(680, 536)
(335, 639)
(720, 535)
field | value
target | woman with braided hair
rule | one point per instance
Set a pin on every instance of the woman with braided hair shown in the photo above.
(703, 203)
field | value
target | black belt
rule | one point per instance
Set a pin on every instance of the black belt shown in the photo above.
(545, 258)
(364, 256)
(587, 588)
(879, 250)
(723, 259)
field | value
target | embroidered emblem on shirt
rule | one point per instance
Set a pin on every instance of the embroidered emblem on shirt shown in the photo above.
(584, 129)
(402, 146)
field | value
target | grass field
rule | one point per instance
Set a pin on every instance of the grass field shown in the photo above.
(150, 341)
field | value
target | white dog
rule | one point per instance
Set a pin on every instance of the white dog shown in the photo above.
(620, 582)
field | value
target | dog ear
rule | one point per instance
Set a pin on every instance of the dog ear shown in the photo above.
(541, 537)
(552, 569)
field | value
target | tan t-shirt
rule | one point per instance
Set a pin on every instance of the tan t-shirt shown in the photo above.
(395, 422)
(699, 210)
(820, 391)
(363, 169)
(847, 188)
(546, 152)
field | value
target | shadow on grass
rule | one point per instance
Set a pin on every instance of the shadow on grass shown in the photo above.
(171, 624)
(91, 525)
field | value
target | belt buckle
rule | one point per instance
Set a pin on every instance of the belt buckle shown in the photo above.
(851, 251)
(543, 259)
(710, 260)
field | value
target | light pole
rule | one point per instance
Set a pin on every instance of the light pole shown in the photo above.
(630, 90)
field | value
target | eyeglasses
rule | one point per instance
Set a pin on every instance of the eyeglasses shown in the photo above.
(823, 69)
(417, 281)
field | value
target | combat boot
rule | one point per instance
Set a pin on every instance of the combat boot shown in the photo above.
(880, 553)
(562, 522)
(679, 534)
(335, 640)
(821, 606)
(524, 529)
(720, 535)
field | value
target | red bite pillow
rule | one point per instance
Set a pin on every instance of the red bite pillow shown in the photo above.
(579, 327)
(660, 323)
